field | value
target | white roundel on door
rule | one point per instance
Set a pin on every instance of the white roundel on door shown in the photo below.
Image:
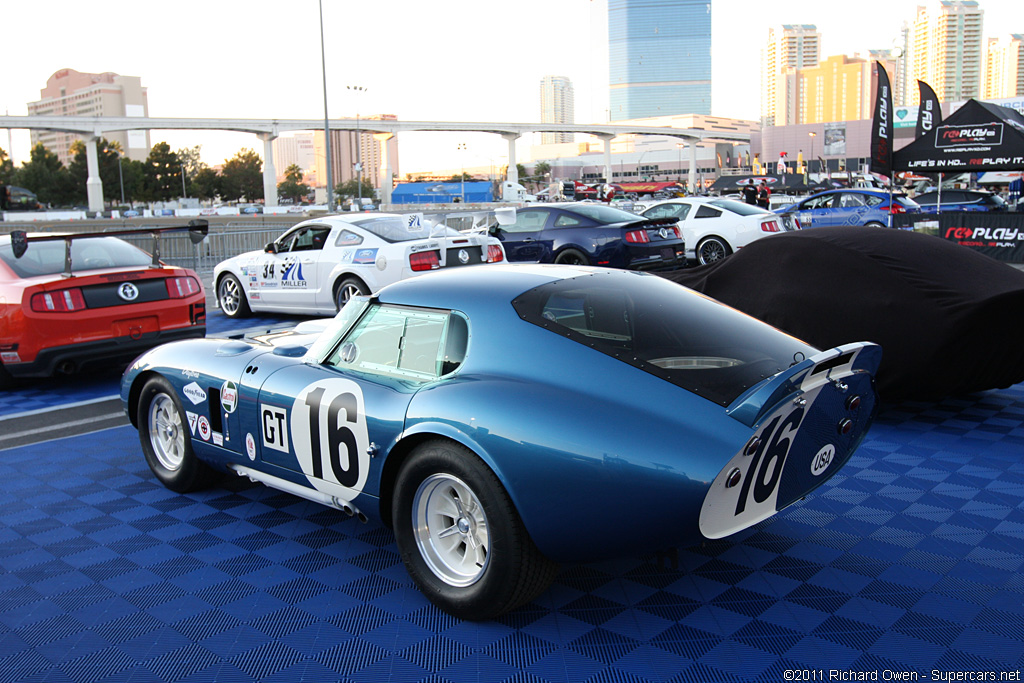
(328, 425)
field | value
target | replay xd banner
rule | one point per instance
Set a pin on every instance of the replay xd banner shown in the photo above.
(996, 234)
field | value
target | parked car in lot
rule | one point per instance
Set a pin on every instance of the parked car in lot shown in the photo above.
(713, 228)
(961, 200)
(74, 301)
(849, 207)
(319, 264)
(592, 234)
(505, 419)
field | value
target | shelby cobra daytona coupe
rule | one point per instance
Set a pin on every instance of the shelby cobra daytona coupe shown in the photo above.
(504, 419)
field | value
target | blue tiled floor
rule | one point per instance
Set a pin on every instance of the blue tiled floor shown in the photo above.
(909, 560)
(41, 394)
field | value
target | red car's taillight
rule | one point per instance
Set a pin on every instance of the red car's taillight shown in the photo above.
(770, 226)
(181, 287)
(424, 260)
(638, 237)
(494, 253)
(60, 301)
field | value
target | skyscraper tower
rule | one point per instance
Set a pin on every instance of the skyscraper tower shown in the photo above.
(789, 47)
(1004, 67)
(947, 49)
(556, 106)
(659, 58)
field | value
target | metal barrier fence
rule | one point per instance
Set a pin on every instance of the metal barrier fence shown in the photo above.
(221, 243)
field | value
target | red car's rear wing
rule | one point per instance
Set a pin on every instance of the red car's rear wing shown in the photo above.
(197, 230)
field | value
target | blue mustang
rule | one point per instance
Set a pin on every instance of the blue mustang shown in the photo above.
(502, 420)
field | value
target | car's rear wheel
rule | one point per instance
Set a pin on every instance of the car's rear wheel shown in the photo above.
(6, 381)
(231, 297)
(166, 443)
(712, 249)
(348, 288)
(460, 536)
(873, 224)
(572, 257)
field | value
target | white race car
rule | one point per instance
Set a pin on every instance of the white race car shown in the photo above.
(714, 227)
(319, 264)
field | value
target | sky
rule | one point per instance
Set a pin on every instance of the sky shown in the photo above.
(443, 60)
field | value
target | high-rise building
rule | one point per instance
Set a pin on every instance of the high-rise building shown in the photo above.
(659, 58)
(296, 149)
(946, 49)
(348, 148)
(556, 106)
(789, 47)
(840, 88)
(71, 93)
(1004, 67)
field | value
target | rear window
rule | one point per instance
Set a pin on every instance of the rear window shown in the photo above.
(603, 214)
(47, 258)
(666, 330)
(739, 207)
(395, 229)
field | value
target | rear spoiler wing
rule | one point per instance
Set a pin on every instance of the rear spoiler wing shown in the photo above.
(472, 222)
(197, 230)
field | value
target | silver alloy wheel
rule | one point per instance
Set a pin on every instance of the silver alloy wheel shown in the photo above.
(166, 434)
(451, 530)
(711, 250)
(346, 292)
(229, 294)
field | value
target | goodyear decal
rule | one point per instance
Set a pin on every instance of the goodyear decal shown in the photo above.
(194, 393)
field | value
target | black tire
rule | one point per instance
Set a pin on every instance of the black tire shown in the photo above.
(166, 443)
(873, 224)
(712, 249)
(348, 288)
(488, 564)
(6, 381)
(231, 297)
(572, 257)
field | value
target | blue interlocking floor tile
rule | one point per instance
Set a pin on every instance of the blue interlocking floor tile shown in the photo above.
(909, 559)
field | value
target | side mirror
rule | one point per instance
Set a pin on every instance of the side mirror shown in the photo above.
(271, 248)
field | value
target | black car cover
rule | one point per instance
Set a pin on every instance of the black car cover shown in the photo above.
(950, 320)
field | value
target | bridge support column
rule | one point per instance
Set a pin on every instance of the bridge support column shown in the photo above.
(93, 185)
(269, 172)
(386, 183)
(607, 140)
(692, 183)
(512, 175)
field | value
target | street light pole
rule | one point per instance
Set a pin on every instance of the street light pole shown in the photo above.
(462, 174)
(359, 147)
(327, 126)
(184, 192)
(812, 135)
(120, 174)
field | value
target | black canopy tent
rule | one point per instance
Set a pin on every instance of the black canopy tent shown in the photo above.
(979, 136)
(789, 182)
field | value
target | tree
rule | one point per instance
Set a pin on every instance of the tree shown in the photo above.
(163, 173)
(354, 188)
(460, 178)
(191, 159)
(134, 175)
(6, 168)
(292, 186)
(242, 176)
(46, 176)
(205, 184)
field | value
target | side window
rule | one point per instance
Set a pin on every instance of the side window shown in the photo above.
(668, 211)
(347, 238)
(401, 342)
(705, 211)
(850, 199)
(871, 200)
(528, 221)
(567, 220)
(823, 202)
(309, 238)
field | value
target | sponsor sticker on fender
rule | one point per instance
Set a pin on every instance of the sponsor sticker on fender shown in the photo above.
(229, 396)
(250, 446)
(194, 393)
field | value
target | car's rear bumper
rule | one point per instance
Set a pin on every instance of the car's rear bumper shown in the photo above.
(96, 354)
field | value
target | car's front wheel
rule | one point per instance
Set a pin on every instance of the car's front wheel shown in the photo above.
(348, 288)
(164, 434)
(460, 536)
(712, 249)
(873, 224)
(231, 297)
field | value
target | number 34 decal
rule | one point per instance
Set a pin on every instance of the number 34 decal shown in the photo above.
(328, 425)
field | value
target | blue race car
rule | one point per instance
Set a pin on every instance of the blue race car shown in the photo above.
(501, 422)
(834, 208)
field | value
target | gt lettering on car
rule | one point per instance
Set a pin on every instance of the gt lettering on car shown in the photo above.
(274, 422)
(746, 490)
(328, 425)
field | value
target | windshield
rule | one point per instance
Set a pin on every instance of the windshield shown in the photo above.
(738, 207)
(666, 330)
(394, 229)
(94, 253)
(604, 214)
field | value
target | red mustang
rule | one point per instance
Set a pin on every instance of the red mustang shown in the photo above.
(69, 301)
